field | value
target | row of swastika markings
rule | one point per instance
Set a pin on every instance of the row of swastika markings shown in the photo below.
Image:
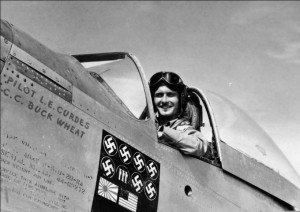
(125, 154)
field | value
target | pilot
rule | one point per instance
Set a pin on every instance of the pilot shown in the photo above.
(169, 96)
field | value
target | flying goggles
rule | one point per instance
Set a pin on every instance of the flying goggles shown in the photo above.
(169, 77)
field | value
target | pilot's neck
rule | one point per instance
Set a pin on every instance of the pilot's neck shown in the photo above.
(162, 120)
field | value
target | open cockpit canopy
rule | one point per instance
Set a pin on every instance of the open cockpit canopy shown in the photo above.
(240, 132)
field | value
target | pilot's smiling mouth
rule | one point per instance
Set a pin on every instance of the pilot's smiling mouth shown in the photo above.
(166, 106)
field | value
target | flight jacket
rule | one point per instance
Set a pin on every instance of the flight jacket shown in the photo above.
(180, 134)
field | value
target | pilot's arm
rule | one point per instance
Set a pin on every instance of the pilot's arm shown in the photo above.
(184, 138)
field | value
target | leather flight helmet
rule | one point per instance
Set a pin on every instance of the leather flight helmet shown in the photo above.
(172, 81)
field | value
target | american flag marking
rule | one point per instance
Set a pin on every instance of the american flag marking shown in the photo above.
(128, 200)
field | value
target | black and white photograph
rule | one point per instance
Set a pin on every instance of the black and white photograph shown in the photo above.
(150, 106)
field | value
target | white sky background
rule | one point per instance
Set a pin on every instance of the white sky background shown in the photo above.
(248, 52)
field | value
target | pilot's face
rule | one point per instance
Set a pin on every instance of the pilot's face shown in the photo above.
(166, 102)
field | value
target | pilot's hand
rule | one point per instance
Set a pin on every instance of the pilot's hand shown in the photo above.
(159, 134)
(160, 130)
(156, 124)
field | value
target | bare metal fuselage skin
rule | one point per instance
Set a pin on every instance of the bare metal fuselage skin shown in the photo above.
(56, 131)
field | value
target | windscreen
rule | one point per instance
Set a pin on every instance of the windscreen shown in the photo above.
(122, 80)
